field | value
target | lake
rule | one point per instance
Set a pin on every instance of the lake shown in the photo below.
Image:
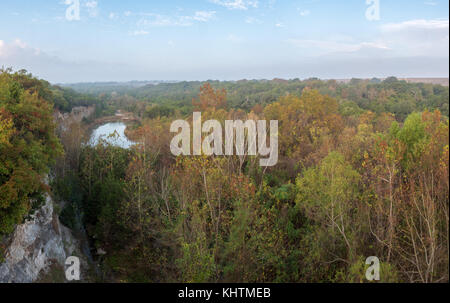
(105, 131)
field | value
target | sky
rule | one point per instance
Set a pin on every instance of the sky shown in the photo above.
(66, 41)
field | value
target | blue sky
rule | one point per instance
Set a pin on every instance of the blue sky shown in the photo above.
(116, 40)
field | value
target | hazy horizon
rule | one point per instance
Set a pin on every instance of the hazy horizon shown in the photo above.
(237, 80)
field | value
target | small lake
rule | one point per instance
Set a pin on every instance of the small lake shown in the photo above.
(113, 133)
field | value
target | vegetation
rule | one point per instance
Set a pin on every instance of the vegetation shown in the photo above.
(360, 174)
(356, 96)
(362, 171)
(28, 144)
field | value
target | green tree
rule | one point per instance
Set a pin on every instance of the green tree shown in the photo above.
(329, 196)
(26, 110)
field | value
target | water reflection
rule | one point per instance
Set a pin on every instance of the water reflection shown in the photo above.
(113, 133)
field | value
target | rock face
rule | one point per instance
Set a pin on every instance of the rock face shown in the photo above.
(63, 120)
(36, 245)
(42, 242)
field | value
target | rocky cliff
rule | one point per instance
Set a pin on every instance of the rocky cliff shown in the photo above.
(42, 244)
(36, 246)
(64, 120)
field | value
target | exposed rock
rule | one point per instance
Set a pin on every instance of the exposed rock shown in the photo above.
(77, 114)
(36, 245)
(42, 243)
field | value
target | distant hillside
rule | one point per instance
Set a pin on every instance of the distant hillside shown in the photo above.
(435, 81)
(441, 81)
(99, 87)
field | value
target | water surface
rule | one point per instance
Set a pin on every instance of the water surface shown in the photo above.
(113, 133)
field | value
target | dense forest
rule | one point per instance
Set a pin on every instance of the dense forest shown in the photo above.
(28, 145)
(363, 171)
(391, 95)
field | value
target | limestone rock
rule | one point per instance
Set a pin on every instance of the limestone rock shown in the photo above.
(35, 245)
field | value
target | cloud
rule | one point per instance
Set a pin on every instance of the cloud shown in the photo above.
(426, 38)
(17, 47)
(321, 47)
(19, 55)
(433, 25)
(204, 16)
(19, 43)
(418, 37)
(237, 4)
(139, 33)
(252, 20)
(305, 13)
(2, 48)
(157, 20)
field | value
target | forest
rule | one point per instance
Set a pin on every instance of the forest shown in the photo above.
(363, 171)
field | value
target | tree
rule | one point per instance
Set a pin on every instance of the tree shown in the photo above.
(410, 215)
(329, 195)
(210, 99)
(25, 110)
(136, 207)
(6, 129)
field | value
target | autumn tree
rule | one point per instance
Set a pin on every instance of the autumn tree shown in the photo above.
(25, 111)
(210, 99)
